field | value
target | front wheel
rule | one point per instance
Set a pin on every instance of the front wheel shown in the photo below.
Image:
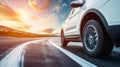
(95, 43)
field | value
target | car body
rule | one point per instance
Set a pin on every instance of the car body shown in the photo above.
(102, 16)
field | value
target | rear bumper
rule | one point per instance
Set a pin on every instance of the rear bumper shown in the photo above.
(114, 33)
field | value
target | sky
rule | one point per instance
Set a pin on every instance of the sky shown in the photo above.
(37, 16)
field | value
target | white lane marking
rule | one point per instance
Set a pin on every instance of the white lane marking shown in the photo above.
(14, 58)
(22, 58)
(74, 57)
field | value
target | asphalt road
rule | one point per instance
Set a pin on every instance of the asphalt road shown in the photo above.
(9, 43)
(47, 52)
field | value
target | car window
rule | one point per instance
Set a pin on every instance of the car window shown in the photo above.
(72, 12)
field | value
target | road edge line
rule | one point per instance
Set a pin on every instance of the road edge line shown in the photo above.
(77, 59)
(16, 56)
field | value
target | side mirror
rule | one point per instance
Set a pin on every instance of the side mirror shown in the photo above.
(75, 4)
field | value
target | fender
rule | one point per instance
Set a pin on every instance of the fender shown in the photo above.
(99, 14)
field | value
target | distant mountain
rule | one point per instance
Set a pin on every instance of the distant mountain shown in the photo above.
(5, 31)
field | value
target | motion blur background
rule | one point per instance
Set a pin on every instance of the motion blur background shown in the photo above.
(36, 16)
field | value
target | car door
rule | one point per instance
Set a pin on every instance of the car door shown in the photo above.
(72, 21)
(67, 24)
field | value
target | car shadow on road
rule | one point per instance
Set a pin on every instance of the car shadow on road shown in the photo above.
(113, 60)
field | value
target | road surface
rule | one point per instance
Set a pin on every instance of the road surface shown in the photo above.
(47, 52)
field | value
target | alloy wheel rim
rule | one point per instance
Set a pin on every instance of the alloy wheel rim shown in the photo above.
(90, 38)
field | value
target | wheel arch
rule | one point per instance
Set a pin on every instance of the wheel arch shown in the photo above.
(95, 14)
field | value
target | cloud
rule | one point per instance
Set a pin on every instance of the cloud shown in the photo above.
(56, 8)
(64, 5)
(44, 22)
(10, 18)
(8, 13)
(39, 5)
(30, 20)
(15, 25)
(48, 30)
(60, 1)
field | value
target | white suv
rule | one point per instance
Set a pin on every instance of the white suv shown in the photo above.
(94, 22)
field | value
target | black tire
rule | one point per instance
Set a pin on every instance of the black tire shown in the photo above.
(96, 44)
(64, 42)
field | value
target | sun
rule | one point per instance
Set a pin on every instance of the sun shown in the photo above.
(24, 15)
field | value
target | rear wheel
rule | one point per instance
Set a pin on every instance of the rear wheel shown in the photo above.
(95, 43)
(64, 42)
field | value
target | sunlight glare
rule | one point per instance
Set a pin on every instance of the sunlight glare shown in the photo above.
(24, 14)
